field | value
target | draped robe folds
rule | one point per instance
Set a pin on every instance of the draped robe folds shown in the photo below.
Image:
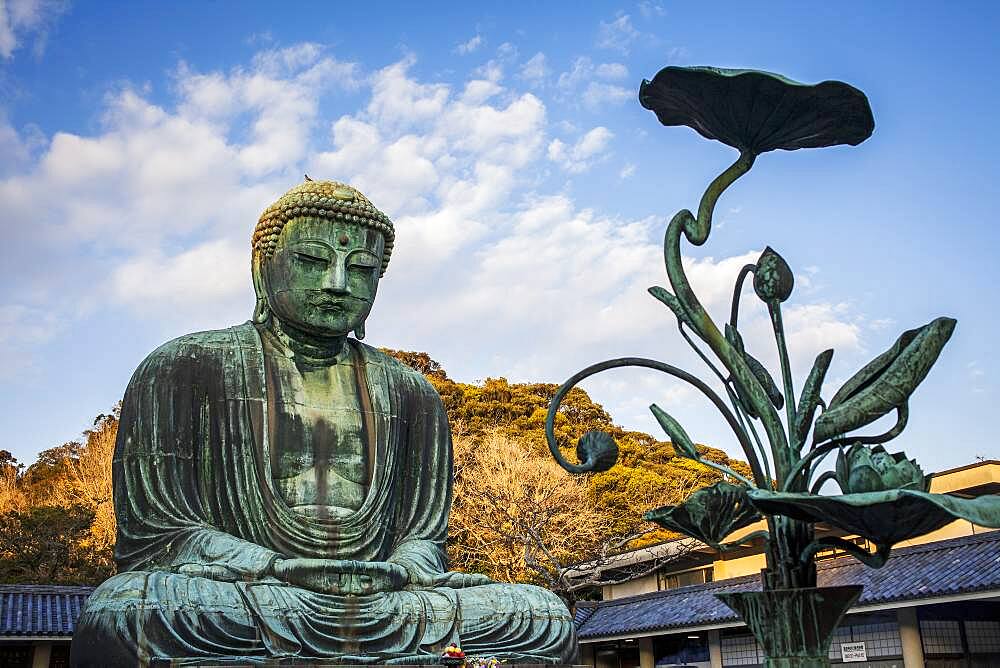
(200, 522)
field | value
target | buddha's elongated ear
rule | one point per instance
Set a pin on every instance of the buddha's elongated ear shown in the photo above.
(261, 310)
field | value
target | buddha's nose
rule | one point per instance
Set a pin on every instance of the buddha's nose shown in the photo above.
(336, 279)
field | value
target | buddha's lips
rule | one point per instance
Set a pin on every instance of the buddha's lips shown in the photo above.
(330, 304)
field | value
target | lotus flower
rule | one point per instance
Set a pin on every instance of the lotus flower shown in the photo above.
(757, 112)
(861, 469)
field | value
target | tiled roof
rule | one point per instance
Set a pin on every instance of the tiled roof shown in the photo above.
(40, 610)
(944, 568)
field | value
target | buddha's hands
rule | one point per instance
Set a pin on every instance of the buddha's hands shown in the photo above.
(456, 580)
(341, 576)
(450, 579)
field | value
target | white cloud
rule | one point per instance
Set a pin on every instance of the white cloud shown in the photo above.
(20, 19)
(156, 181)
(23, 329)
(535, 69)
(650, 9)
(618, 35)
(611, 71)
(627, 171)
(470, 45)
(493, 69)
(157, 285)
(677, 54)
(580, 156)
(492, 273)
(579, 72)
(578, 83)
(600, 95)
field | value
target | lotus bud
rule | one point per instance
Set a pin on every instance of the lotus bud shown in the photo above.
(773, 279)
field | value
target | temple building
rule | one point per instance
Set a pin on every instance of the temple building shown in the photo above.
(936, 602)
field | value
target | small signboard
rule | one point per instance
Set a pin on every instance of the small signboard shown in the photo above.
(851, 652)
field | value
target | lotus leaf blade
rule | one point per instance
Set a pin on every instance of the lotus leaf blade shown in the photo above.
(887, 382)
(810, 397)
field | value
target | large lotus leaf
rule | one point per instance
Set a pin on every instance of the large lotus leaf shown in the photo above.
(885, 518)
(757, 111)
(710, 514)
(886, 382)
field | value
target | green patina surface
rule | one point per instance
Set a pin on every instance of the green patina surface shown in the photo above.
(885, 496)
(282, 490)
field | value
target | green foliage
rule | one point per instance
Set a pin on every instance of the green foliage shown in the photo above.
(53, 527)
(49, 544)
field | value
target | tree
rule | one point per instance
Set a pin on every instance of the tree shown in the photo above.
(519, 517)
(57, 519)
(518, 410)
(88, 480)
(421, 362)
(11, 496)
(49, 544)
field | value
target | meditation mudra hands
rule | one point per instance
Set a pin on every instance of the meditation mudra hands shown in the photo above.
(348, 577)
(345, 577)
(341, 576)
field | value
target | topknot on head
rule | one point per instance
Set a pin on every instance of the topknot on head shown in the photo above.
(321, 199)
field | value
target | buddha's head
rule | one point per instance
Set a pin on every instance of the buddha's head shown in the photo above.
(318, 254)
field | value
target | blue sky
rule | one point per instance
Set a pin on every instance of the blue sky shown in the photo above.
(139, 142)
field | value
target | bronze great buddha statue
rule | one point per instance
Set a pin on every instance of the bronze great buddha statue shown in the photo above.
(282, 490)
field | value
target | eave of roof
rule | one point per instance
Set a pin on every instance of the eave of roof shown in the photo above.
(40, 610)
(940, 569)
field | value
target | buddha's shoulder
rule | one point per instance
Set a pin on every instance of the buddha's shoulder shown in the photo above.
(196, 349)
(396, 370)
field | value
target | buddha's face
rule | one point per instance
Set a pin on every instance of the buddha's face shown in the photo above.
(323, 275)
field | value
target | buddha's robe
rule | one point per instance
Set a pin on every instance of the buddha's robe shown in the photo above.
(200, 522)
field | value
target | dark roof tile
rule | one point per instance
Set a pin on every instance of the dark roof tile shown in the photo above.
(40, 610)
(956, 566)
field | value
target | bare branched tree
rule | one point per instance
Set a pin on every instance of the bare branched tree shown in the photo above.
(519, 517)
(12, 497)
(89, 480)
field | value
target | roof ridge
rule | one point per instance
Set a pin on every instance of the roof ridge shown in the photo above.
(663, 593)
(988, 536)
(34, 588)
(955, 566)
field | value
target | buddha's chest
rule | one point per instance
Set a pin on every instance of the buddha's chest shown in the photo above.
(318, 452)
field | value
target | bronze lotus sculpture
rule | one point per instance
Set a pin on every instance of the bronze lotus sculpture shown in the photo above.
(884, 496)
